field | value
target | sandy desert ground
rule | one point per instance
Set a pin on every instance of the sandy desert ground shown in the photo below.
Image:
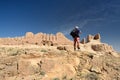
(33, 62)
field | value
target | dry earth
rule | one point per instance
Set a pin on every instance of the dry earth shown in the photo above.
(33, 62)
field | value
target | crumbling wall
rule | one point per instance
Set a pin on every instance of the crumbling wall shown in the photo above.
(37, 39)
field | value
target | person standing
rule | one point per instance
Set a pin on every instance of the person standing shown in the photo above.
(75, 34)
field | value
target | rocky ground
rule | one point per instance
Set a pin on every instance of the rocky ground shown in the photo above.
(33, 62)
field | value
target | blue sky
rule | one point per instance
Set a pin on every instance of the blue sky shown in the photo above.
(51, 16)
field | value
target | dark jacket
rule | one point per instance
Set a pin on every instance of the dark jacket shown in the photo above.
(75, 33)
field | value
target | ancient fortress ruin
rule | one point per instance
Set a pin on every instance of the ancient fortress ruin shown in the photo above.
(37, 39)
(45, 39)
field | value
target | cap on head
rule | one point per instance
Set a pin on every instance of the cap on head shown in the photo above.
(76, 27)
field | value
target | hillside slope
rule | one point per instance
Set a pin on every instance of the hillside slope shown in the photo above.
(94, 61)
(54, 63)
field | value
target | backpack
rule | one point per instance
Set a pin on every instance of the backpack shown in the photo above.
(72, 33)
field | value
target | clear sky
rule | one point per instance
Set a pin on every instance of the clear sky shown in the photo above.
(51, 16)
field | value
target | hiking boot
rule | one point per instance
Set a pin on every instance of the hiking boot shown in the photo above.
(74, 49)
(78, 47)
